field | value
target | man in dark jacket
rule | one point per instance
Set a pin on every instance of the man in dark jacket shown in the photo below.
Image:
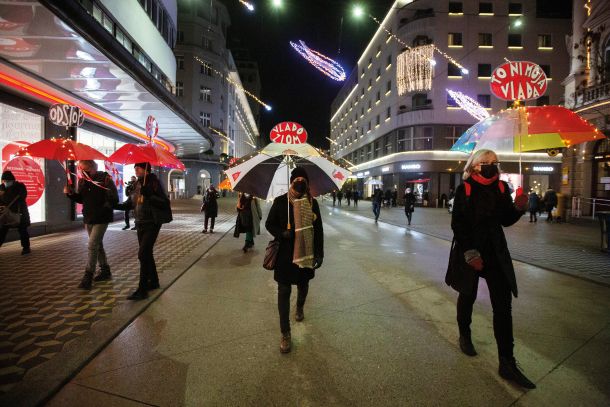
(128, 191)
(151, 209)
(14, 193)
(377, 202)
(98, 195)
(210, 208)
(550, 202)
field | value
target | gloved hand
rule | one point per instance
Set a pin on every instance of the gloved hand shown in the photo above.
(317, 262)
(521, 203)
(476, 263)
(287, 234)
(146, 190)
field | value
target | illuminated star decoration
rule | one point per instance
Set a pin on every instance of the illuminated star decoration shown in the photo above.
(469, 105)
(321, 62)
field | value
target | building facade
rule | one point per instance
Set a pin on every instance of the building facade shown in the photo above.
(393, 118)
(209, 86)
(112, 59)
(586, 167)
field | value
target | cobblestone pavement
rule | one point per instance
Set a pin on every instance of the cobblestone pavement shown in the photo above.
(568, 248)
(41, 309)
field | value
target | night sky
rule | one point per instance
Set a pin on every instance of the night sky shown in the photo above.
(296, 90)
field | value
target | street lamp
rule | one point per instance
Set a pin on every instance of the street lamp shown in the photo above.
(277, 3)
(518, 23)
(358, 11)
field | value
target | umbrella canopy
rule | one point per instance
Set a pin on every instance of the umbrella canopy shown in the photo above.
(266, 173)
(62, 150)
(528, 128)
(151, 153)
(373, 182)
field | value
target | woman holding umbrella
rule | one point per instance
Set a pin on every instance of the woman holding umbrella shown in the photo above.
(295, 220)
(249, 216)
(483, 206)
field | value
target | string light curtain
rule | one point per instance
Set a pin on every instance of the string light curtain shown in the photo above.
(414, 69)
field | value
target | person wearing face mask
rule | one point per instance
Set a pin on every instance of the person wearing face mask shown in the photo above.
(14, 193)
(295, 221)
(482, 207)
(249, 216)
(97, 193)
(410, 199)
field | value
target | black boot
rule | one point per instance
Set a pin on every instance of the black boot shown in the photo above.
(87, 281)
(138, 294)
(299, 315)
(466, 346)
(509, 370)
(103, 275)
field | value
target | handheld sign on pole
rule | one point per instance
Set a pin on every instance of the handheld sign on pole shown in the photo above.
(288, 133)
(518, 80)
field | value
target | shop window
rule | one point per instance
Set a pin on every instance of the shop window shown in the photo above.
(485, 40)
(514, 40)
(486, 8)
(484, 100)
(544, 41)
(484, 71)
(455, 40)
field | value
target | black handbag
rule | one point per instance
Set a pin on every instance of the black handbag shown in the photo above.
(9, 218)
(460, 276)
(271, 252)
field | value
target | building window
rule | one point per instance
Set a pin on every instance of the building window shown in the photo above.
(388, 86)
(180, 36)
(484, 71)
(455, 40)
(389, 60)
(419, 100)
(544, 41)
(424, 139)
(378, 96)
(404, 141)
(515, 9)
(205, 94)
(205, 119)
(453, 70)
(123, 39)
(486, 8)
(378, 73)
(451, 102)
(370, 83)
(179, 62)
(369, 129)
(484, 100)
(179, 89)
(547, 70)
(388, 144)
(514, 40)
(388, 113)
(206, 69)
(377, 120)
(485, 40)
(207, 43)
(456, 7)
(543, 101)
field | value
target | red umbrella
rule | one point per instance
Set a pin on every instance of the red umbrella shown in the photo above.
(62, 150)
(151, 153)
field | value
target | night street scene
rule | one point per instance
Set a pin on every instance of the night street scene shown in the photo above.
(304, 203)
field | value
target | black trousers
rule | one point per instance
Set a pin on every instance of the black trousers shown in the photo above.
(23, 235)
(205, 224)
(283, 302)
(533, 217)
(147, 236)
(127, 217)
(549, 210)
(409, 216)
(501, 298)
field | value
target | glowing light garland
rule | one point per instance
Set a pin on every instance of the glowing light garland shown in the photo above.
(324, 64)
(243, 125)
(221, 134)
(249, 6)
(471, 106)
(413, 69)
(231, 81)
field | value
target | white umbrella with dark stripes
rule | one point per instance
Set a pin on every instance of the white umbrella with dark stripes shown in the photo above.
(266, 173)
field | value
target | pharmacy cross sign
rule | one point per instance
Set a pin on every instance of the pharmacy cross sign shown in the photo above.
(518, 80)
(288, 133)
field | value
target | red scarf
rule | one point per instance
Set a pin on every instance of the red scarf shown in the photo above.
(484, 181)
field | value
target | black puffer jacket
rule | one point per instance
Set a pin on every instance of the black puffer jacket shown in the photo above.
(154, 207)
(19, 191)
(98, 199)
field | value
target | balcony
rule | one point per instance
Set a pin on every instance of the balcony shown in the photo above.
(592, 94)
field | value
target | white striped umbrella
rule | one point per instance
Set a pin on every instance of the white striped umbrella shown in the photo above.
(266, 173)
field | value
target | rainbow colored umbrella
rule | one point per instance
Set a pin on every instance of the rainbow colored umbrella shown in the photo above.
(528, 128)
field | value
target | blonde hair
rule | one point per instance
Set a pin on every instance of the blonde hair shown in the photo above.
(475, 158)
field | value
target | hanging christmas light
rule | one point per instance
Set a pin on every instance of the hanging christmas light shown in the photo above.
(321, 62)
(471, 106)
(249, 6)
(413, 69)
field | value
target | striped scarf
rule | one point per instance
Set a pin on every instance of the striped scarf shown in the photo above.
(302, 255)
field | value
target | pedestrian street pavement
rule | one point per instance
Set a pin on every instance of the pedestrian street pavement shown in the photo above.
(564, 247)
(379, 330)
(49, 327)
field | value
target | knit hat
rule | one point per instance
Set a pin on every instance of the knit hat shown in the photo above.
(144, 165)
(8, 176)
(298, 172)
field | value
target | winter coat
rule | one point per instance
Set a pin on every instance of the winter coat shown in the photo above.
(7, 195)
(533, 201)
(409, 201)
(477, 223)
(98, 200)
(550, 198)
(154, 208)
(248, 217)
(286, 272)
(378, 196)
(210, 200)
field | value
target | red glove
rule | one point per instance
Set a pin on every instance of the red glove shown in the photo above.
(476, 263)
(521, 203)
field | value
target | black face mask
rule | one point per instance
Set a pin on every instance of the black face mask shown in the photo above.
(489, 170)
(300, 186)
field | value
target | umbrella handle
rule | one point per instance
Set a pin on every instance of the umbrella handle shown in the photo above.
(141, 197)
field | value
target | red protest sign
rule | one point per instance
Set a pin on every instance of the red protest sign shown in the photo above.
(518, 80)
(29, 173)
(288, 133)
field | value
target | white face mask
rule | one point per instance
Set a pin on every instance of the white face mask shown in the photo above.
(8, 184)
(408, 190)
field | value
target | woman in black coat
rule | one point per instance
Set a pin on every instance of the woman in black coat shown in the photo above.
(295, 266)
(410, 199)
(13, 191)
(210, 208)
(482, 207)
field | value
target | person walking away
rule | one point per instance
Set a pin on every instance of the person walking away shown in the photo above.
(13, 196)
(128, 191)
(356, 196)
(249, 215)
(348, 196)
(409, 199)
(377, 202)
(550, 202)
(533, 202)
(97, 193)
(339, 196)
(334, 195)
(301, 250)
(210, 208)
(387, 198)
(483, 206)
(151, 207)
(425, 198)
(394, 198)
